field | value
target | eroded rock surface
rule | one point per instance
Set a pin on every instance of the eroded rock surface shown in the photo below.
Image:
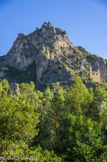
(54, 56)
(14, 89)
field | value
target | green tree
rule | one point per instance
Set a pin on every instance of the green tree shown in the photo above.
(78, 98)
(100, 95)
(80, 139)
(5, 84)
(44, 135)
(18, 127)
(97, 106)
(17, 120)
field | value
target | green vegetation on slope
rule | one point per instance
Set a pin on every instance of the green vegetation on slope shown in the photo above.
(54, 126)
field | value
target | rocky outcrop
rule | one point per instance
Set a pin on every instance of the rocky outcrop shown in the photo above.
(54, 56)
(14, 89)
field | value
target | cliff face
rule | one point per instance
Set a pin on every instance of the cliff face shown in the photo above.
(54, 57)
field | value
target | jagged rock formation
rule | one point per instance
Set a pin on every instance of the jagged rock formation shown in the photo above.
(14, 89)
(54, 57)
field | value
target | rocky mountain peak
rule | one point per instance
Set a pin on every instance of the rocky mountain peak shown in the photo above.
(48, 27)
(54, 57)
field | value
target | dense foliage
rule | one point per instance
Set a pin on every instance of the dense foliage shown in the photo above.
(52, 125)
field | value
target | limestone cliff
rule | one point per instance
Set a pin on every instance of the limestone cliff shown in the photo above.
(48, 56)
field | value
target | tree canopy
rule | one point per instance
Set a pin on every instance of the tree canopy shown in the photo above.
(62, 125)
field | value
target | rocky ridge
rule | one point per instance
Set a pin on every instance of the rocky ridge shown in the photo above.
(48, 56)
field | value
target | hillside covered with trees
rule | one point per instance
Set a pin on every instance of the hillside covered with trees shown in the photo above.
(63, 125)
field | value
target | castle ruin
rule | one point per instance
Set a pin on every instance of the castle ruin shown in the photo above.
(95, 75)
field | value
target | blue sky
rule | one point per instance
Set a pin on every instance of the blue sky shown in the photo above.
(85, 21)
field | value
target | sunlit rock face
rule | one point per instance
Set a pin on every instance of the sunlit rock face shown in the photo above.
(54, 56)
(14, 89)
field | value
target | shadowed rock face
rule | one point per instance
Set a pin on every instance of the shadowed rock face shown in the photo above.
(55, 57)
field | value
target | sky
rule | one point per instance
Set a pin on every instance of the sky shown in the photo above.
(85, 21)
